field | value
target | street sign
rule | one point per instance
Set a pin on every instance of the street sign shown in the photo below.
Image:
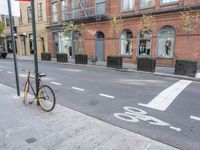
(14, 6)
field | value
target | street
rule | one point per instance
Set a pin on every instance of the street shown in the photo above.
(162, 108)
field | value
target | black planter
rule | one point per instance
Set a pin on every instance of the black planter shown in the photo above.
(114, 62)
(146, 64)
(46, 56)
(186, 67)
(81, 59)
(62, 57)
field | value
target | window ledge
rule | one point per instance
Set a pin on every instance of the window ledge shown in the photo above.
(147, 8)
(126, 56)
(127, 11)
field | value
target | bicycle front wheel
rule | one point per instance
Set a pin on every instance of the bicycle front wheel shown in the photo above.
(46, 98)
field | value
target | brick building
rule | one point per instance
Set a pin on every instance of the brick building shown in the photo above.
(23, 29)
(166, 43)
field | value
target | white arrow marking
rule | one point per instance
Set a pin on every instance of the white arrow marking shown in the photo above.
(165, 98)
(10, 72)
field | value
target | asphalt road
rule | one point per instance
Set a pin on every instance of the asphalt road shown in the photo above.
(169, 114)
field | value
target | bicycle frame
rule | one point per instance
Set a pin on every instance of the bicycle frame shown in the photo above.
(30, 85)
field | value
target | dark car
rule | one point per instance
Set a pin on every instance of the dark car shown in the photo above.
(3, 52)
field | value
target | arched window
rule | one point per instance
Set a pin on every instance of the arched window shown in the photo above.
(145, 41)
(166, 42)
(126, 42)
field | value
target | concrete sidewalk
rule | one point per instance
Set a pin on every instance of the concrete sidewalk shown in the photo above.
(165, 71)
(30, 128)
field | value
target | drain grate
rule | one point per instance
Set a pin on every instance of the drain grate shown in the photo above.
(30, 140)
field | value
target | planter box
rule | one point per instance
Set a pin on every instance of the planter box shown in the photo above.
(81, 59)
(186, 67)
(62, 57)
(114, 62)
(146, 64)
(46, 56)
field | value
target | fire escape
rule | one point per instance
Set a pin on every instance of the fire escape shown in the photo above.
(85, 10)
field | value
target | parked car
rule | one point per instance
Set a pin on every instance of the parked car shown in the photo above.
(3, 52)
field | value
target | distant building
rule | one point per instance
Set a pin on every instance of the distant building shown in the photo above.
(166, 43)
(23, 29)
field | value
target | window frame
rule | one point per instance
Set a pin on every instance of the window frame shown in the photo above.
(29, 15)
(130, 9)
(54, 13)
(162, 37)
(126, 39)
(147, 38)
(20, 18)
(147, 7)
(97, 3)
(40, 12)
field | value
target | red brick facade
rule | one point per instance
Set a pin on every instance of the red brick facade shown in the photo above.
(165, 15)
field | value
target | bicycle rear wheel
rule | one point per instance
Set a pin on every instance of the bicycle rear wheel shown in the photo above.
(46, 98)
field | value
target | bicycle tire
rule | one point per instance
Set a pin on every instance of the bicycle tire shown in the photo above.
(45, 98)
(26, 86)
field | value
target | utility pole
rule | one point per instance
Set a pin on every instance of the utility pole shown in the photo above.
(35, 47)
(13, 47)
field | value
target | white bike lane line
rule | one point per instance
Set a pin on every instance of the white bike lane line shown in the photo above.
(78, 89)
(166, 97)
(195, 118)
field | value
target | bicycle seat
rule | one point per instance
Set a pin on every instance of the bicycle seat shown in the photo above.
(42, 75)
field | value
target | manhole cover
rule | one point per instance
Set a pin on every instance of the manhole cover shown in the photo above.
(30, 140)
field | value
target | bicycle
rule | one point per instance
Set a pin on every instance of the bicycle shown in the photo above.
(45, 98)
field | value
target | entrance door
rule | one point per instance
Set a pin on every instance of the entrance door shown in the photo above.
(100, 46)
(23, 41)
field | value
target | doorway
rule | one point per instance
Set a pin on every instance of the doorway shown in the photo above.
(100, 42)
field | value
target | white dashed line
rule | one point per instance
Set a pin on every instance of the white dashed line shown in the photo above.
(105, 95)
(56, 83)
(79, 89)
(165, 98)
(22, 75)
(2, 67)
(10, 72)
(195, 118)
(175, 128)
(70, 70)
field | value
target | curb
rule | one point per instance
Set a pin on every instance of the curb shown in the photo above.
(122, 70)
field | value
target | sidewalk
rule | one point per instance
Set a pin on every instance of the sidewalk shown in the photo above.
(30, 128)
(165, 71)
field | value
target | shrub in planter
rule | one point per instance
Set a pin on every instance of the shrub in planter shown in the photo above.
(46, 56)
(62, 57)
(146, 63)
(81, 59)
(114, 62)
(186, 67)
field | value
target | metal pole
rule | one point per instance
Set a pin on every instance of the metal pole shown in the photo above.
(35, 47)
(13, 47)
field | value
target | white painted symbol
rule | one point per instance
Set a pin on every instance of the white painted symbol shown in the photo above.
(133, 114)
(79, 89)
(22, 75)
(108, 96)
(195, 118)
(165, 98)
(56, 83)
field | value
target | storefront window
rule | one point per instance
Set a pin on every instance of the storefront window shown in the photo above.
(126, 42)
(166, 42)
(144, 47)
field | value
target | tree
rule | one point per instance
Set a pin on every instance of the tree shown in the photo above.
(116, 23)
(70, 28)
(1, 27)
(146, 24)
(189, 22)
